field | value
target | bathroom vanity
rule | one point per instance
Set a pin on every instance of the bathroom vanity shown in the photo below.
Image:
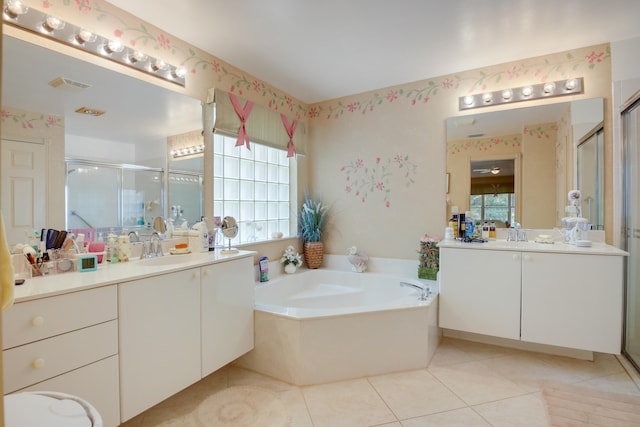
(553, 294)
(127, 336)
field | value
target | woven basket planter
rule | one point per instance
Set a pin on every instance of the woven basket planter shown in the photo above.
(313, 252)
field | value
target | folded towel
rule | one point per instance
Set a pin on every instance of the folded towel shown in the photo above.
(7, 280)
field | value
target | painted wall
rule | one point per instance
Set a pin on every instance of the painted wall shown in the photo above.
(403, 129)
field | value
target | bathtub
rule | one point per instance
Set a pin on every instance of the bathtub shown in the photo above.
(318, 326)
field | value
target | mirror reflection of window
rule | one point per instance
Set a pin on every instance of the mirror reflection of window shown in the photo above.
(492, 194)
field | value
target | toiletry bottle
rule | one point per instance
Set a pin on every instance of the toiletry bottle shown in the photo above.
(124, 247)
(485, 230)
(492, 231)
(469, 225)
(453, 223)
(461, 225)
(112, 247)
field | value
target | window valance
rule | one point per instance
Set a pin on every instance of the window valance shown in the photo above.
(263, 125)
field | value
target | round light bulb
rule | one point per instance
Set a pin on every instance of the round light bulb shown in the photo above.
(527, 91)
(85, 36)
(571, 84)
(487, 97)
(507, 94)
(52, 23)
(549, 87)
(113, 46)
(468, 100)
(137, 56)
(15, 8)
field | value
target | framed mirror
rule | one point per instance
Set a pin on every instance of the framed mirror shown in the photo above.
(541, 142)
(41, 91)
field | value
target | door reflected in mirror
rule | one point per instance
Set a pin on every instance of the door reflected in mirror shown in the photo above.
(542, 141)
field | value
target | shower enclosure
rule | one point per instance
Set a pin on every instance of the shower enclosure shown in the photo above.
(631, 131)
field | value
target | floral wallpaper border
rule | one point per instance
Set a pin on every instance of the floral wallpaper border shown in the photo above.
(29, 120)
(541, 68)
(483, 144)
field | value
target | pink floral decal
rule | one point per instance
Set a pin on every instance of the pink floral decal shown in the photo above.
(377, 180)
(164, 42)
(543, 131)
(84, 6)
(30, 120)
(483, 144)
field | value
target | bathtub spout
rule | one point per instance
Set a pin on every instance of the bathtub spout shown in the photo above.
(424, 290)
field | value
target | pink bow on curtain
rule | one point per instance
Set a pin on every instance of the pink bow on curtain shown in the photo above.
(243, 115)
(290, 128)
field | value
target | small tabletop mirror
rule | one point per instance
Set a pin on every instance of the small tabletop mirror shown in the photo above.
(230, 231)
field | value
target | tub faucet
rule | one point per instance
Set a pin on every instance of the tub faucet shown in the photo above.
(425, 291)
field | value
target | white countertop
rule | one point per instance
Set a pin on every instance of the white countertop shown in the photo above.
(597, 248)
(107, 274)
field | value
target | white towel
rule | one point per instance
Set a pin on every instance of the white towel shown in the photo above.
(7, 279)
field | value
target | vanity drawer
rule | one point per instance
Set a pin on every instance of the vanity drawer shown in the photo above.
(41, 360)
(34, 320)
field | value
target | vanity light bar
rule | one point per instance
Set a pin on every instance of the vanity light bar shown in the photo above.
(187, 151)
(15, 14)
(570, 86)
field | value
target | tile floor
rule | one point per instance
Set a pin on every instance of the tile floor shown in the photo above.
(467, 384)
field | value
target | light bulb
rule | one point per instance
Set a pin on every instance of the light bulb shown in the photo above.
(52, 23)
(158, 65)
(549, 87)
(113, 46)
(15, 8)
(85, 36)
(527, 91)
(571, 84)
(487, 97)
(468, 100)
(507, 94)
(179, 72)
(137, 56)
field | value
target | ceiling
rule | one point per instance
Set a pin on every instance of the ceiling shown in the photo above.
(317, 50)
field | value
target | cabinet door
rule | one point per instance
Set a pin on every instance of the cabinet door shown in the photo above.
(96, 383)
(480, 291)
(572, 301)
(159, 325)
(227, 312)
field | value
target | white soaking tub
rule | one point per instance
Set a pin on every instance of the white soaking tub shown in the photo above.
(318, 326)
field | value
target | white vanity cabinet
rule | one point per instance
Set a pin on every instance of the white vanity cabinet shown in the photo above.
(572, 301)
(227, 312)
(66, 343)
(480, 292)
(560, 296)
(159, 338)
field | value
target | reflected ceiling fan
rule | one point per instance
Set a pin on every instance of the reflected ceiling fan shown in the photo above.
(494, 170)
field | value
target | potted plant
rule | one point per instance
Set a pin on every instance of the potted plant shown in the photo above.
(291, 260)
(429, 258)
(312, 221)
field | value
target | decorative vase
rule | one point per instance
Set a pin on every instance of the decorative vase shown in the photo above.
(313, 253)
(289, 268)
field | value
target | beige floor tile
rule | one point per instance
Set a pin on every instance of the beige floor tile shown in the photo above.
(481, 351)
(348, 403)
(294, 401)
(618, 383)
(582, 370)
(521, 411)
(415, 393)
(475, 382)
(396, 424)
(169, 416)
(527, 370)
(464, 417)
(449, 354)
(241, 376)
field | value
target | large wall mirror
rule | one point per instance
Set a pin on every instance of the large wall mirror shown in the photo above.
(518, 165)
(113, 166)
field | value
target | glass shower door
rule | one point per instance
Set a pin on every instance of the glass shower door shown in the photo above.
(631, 123)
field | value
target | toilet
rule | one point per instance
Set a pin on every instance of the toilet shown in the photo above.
(51, 409)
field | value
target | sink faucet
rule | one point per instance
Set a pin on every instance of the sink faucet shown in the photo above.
(152, 247)
(424, 290)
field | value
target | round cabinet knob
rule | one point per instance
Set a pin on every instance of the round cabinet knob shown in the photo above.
(515, 257)
(194, 276)
(38, 363)
(37, 321)
(205, 273)
(527, 257)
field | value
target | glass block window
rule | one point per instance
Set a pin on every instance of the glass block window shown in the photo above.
(253, 186)
(494, 207)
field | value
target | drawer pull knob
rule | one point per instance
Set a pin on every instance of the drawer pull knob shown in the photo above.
(194, 276)
(527, 257)
(516, 257)
(205, 273)
(37, 321)
(38, 363)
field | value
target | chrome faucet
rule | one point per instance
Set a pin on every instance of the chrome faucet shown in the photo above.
(152, 247)
(425, 291)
